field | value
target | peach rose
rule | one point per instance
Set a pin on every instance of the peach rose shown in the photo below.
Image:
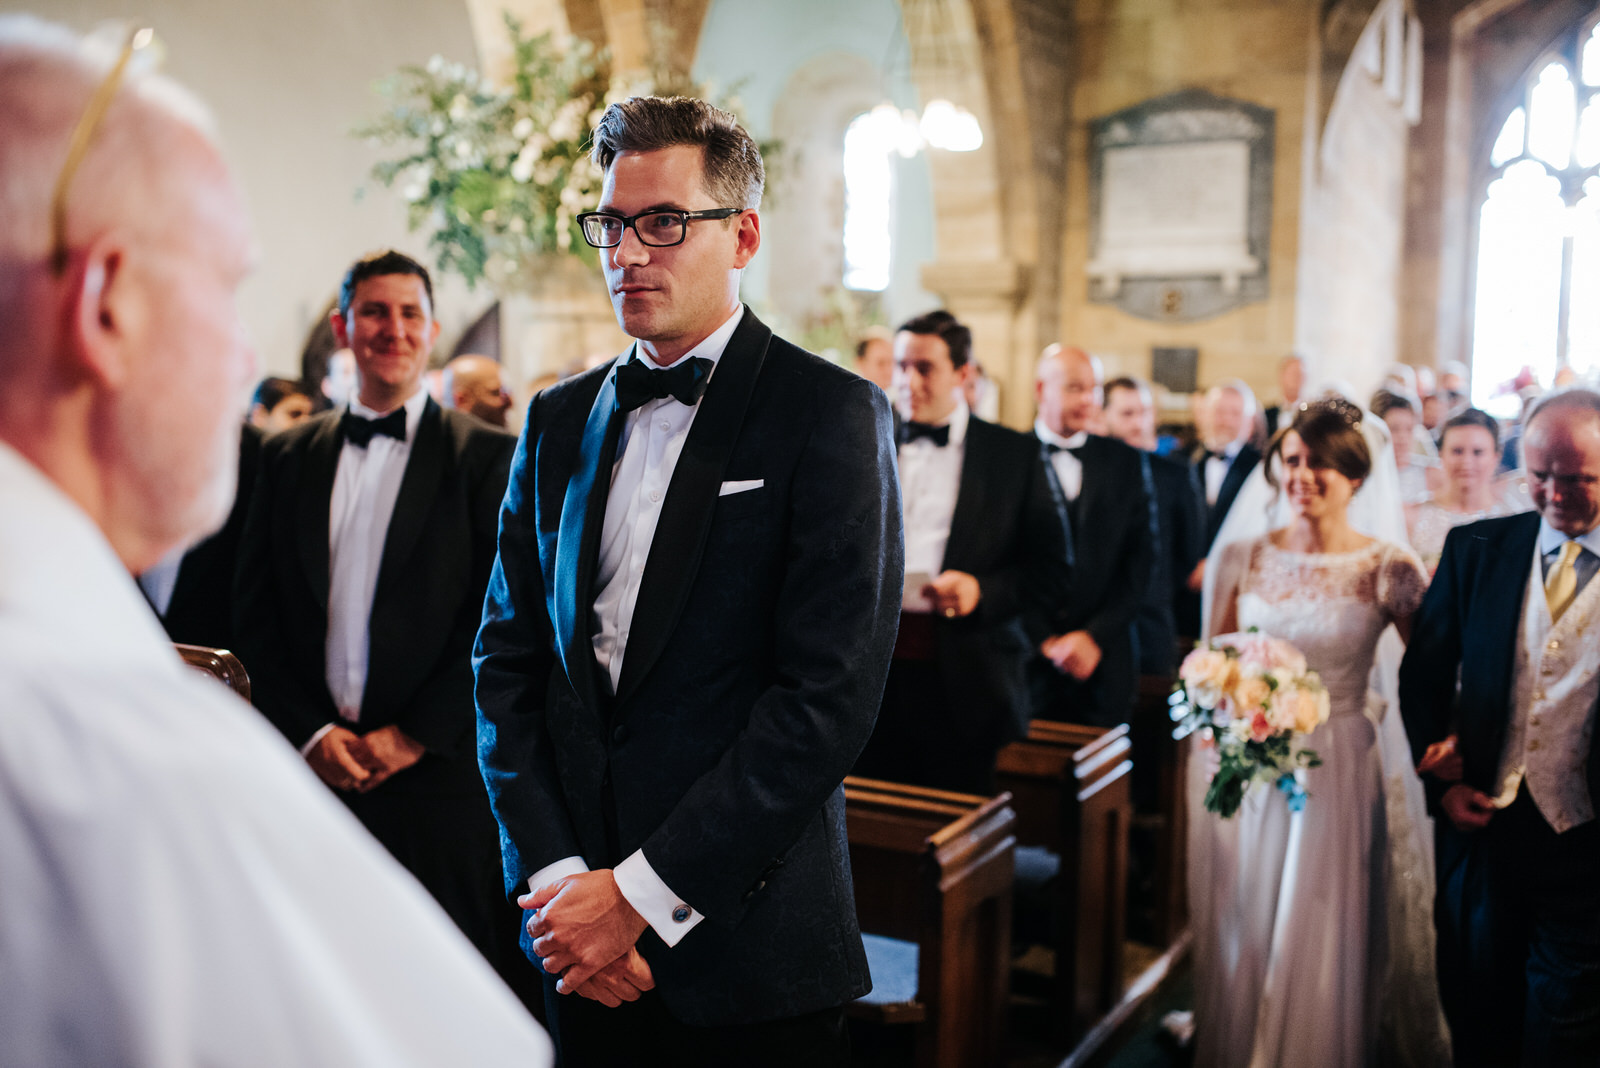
(1251, 692)
(1207, 675)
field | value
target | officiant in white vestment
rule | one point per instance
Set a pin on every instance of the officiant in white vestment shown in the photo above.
(176, 888)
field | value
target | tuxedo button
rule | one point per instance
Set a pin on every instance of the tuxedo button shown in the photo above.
(680, 914)
(1533, 746)
(619, 734)
(655, 495)
(1554, 644)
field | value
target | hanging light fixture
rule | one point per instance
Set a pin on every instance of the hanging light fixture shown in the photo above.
(943, 124)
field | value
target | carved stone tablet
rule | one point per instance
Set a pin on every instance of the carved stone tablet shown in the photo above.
(1181, 203)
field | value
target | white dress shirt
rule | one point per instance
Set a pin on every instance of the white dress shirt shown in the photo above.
(1068, 468)
(364, 492)
(647, 454)
(930, 481)
(127, 776)
(1217, 470)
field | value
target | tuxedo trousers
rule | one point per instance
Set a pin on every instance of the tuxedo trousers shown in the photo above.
(643, 1034)
(924, 739)
(1518, 920)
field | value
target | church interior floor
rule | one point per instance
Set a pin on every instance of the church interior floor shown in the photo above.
(1029, 1041)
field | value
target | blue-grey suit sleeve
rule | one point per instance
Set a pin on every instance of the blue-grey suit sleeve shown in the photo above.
(836, 616)
(512, 661)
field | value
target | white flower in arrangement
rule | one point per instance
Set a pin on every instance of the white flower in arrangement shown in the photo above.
(414, 191)
(538, 144)
(436, 64)
(522, 166)
(459, 107)
(437, 127)
(572, 198)
(522, 128)
(463, 149)
(517, 225)
(568, 123)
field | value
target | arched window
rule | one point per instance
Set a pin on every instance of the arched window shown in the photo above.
(868, 201)
(1539, 229)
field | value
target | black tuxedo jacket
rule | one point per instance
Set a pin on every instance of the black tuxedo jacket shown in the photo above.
(1010, 532)
(425, 611)
(1180, 543)
(1468, 623)
(1113, 536)
(1243, 463)
(752, 675)
(201, 609)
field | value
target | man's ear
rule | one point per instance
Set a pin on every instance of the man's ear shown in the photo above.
(748, 238)
(341, 334)
(102, 302)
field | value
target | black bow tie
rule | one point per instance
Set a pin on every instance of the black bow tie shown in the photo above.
(1051, 448)
(939, 435)
(637, 383)
(359, 431)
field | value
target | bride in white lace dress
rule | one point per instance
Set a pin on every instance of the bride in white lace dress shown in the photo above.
(1296, 962)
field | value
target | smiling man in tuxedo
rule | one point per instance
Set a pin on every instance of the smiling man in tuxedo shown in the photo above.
(686, 638)
(361, 576)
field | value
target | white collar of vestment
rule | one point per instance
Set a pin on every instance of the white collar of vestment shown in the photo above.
(413, 405)
(1551, 539)
(1050, 437)
(58, 570)
(712, 348)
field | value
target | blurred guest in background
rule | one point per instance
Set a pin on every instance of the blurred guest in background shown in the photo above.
(1399, 413)
(875, 358)
(339, 384)
(278, 404)
(1469, 453)
(1291, 383)
(473, 384)
(1087, 673)
(1130, 417)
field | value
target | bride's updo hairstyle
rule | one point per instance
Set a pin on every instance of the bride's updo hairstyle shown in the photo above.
(1331, 430)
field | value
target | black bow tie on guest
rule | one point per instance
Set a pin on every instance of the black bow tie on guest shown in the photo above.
(1051, 448)
(939, 435)
(638, 383)
(359, 431)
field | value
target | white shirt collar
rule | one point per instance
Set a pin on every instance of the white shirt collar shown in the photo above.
(957, 421)
(1551, 539)
(1050, 437)
(413, 405)
(712, 348)
(56, 566)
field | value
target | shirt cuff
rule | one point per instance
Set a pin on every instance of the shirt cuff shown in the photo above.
(559, 870)
(666, 913)
(305, 750)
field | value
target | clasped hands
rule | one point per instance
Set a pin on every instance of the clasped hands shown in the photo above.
(1468, 809)
(1075, 653)
(346, 760)
(953, 594)
(586, 932)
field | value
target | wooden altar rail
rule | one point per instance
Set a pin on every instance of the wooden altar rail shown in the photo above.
(1071, 788)
(935, 869)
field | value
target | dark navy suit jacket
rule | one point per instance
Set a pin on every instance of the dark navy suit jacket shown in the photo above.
(752, 676)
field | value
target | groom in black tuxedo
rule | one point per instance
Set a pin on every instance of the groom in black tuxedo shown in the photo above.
(1509, 759)
(686, 638)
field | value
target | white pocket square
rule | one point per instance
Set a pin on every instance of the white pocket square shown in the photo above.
(741, 487)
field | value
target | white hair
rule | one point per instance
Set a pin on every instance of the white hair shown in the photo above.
(47, 76)
(1242, 389)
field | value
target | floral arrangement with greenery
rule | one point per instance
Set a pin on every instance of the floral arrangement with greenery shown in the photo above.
(497, 174)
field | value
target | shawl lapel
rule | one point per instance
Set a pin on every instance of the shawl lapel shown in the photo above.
(686, 513)
(573, 594)
(967, 523)
(419, 489)
(315, 501)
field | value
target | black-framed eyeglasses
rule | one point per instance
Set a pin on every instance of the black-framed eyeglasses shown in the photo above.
(140, 38)
(658, 229)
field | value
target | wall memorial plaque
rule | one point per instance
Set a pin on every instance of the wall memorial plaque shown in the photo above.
(1181, 206)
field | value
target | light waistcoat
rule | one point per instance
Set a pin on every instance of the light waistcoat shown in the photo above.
(1555, 684)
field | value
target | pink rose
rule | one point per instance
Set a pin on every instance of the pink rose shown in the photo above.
(1260, 729)
(1207, 675)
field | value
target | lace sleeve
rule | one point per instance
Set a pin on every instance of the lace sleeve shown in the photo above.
(1401, 582)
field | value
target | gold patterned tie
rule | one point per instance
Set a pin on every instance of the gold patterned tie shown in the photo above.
(1561, 585)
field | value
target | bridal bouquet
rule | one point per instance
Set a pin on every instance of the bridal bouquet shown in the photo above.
(1253, 693)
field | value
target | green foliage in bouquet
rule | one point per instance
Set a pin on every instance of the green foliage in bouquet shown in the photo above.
(1244, 762)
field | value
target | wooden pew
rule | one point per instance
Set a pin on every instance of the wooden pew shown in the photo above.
(933, 870)
(1172, 811)
(1070, 783)
(218, 663)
